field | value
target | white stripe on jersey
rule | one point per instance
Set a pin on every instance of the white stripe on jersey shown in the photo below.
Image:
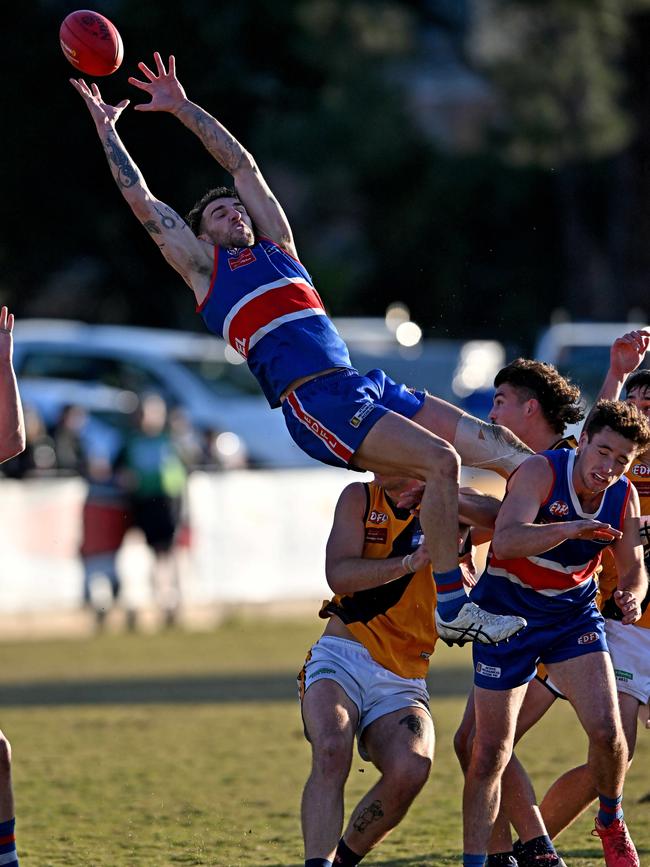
(267, 287)
(515, 579)
(288, 317)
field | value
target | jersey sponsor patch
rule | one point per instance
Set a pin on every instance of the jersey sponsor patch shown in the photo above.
(376, 535)
(488, 670)
(361, 413)
(559, 508)
(377, 517)
(588, 638)
(623, 675)
(313, 674)
(246, 257)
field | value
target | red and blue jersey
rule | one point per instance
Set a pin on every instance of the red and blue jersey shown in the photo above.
(263, 303)
(560, 581)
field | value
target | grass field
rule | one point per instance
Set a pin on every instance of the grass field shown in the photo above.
(187, 748)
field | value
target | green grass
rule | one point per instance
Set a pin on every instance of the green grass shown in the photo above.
(187, 749)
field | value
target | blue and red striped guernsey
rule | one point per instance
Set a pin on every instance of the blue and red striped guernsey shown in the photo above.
(263, 303)
(555, 581)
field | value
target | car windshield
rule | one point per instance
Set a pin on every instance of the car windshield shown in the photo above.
(586, 366)
(225, 379)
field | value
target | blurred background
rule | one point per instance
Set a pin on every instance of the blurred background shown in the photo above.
(467, 181)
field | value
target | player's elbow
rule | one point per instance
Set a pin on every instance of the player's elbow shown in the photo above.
(12, 445)
(501, 548)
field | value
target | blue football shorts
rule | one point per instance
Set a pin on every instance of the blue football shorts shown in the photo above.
(511, 664)
(330, 416)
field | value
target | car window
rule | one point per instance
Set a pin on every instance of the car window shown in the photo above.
(223, 378)
(125, 375)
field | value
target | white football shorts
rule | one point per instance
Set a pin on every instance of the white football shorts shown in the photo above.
(629, 647)
(375, 690)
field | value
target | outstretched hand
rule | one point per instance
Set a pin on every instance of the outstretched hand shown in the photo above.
(590, 529)
(165, 90)
(101, 111)
(627, 352)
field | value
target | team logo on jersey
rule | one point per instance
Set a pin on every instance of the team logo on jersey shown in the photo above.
(588, 638)
(559, 508)
(241, 258)
(376, 517)
(488, 670)
(361, 413)
(641, 470)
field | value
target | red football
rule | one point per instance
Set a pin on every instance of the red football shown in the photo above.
(91, 42)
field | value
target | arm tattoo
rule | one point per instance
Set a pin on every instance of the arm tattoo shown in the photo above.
(221, 144)
(152, 227)
(127, 174)
(414, 724)
(369, 814)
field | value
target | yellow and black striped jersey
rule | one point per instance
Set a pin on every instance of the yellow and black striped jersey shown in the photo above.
(395, 622)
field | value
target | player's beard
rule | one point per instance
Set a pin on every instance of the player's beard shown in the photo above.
(239, 238)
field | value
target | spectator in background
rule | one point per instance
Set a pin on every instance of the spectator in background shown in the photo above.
(38, 456)
(153, 475)
(12, 442)
(68, 447)
(106, 517)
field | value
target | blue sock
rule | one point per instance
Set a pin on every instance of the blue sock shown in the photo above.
(610, 809)
(8, 844)
(318, 862)
(451, 594)
(473, 860)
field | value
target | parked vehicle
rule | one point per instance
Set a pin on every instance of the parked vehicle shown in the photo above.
(580, 350)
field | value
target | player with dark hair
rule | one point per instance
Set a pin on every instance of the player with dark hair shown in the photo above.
(242, 265)
(365, 676)
(536, 402)
(574, 791)
(561, 509)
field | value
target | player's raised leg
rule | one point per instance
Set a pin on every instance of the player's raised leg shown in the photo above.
(397, 446)
(480, 444)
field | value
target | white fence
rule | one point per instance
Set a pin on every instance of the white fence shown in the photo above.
(257, 536)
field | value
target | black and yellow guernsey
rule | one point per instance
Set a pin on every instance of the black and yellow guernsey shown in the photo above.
(395, 622)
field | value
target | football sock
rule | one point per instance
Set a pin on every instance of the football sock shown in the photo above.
(8, 844)
(345, 857)
(501, 859)
(473, 860)
(318, 862)
(610, 809)
(527, 853)
(451, 594)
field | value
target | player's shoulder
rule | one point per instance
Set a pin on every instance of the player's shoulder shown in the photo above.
(536, 468)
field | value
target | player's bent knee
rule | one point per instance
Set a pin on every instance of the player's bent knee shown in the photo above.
(489, 759)
(463, 747)
(443, 461)
(407, 777)
(332, 754)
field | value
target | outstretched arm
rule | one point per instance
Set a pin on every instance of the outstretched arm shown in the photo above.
(625, 356)
(192, 258)
(12, 425)
(167, 94)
